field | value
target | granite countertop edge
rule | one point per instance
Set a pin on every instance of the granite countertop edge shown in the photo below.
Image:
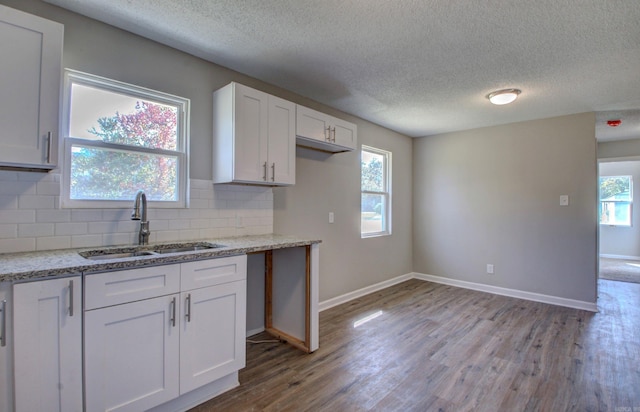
(25, 266)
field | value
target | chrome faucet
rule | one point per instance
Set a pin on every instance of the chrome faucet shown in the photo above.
(143, 235)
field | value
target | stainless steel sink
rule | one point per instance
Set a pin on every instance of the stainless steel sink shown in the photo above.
(119, 253)
(185, 247)
(107, 256)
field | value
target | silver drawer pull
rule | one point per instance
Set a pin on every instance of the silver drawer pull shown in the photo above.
(70, 298)
(3, 318)
(49, 147)
(172, 309)
(188, 310)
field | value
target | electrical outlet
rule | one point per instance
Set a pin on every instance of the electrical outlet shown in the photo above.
(331, 217)
(489, 268)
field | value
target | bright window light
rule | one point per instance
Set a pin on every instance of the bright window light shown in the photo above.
(367, 319)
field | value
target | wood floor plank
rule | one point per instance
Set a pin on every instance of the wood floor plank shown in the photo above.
(437, 347)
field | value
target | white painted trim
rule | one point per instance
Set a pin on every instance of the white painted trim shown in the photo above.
(514, 293)
(623, 257)
(338, 300)
(496, 290)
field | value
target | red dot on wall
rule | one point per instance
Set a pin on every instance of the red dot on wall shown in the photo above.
(614, 123)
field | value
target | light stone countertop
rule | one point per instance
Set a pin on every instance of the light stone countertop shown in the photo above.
(65, 262)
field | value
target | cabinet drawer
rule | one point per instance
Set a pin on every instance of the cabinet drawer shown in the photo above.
(211, 272)
(114, 288)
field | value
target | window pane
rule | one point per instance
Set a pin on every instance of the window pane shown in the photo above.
(373, 213)
(108, 116)
(615, 213)
(615, 188)
(105, 174)
(372, 169)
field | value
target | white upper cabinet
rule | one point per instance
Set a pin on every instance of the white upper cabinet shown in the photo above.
(30, 75)
(253, 137)
(320, 131)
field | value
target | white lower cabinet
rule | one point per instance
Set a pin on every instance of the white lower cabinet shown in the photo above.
(212, 335)
(153, 350)
(131, 355)
(6, 348)
(47, 342)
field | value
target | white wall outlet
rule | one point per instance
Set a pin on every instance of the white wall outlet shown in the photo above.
(564, 200)
(489, 268)
(331, 217)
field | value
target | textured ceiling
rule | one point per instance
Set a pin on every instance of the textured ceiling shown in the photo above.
(419, 67)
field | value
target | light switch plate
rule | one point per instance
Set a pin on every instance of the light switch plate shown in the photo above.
(564, 200)
(331, 217)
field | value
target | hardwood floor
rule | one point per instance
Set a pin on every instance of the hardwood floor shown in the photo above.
(437, 347)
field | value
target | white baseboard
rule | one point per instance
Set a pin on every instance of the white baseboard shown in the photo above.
(338, 300)
(496, 290)
(514, 293)
(624, 257)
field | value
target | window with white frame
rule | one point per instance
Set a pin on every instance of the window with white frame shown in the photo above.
(120, 138)
(616, 199)
(375, 204)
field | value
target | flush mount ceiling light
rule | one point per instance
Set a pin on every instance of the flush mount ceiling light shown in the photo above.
(504, 96)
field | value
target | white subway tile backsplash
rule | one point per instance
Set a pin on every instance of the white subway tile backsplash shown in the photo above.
(86, 215)
(53, 215)
(53, 242)
(12, 187)
(17, 216)
(7, 176)
(179, 224)
(30, 217)
(78, 241)
(111, 215)
(112, 226)
(73, 228)
(36, 202)
(8, 202)
(8, 231)
(27, 244)
(48, 188)
(35, 229)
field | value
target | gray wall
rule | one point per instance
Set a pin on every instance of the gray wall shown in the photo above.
(619, 149)
(331, 183)
(620, 240)
(491, 195)
(324, 183)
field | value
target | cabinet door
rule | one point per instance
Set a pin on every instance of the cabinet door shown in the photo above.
(212, 339)
(6, 348)
(311, 124)
(30, 73)
(344, 134)
(48, 345)
(282, 141)
(131, 355)
(251, 140)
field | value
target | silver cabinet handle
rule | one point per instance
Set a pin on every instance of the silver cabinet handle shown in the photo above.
(3, 318)
(71, 298)
(188, 310)
(327, 134)
(49, 147)
(334, 135)
(264, 175)
(273, 172)
(172, 308)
